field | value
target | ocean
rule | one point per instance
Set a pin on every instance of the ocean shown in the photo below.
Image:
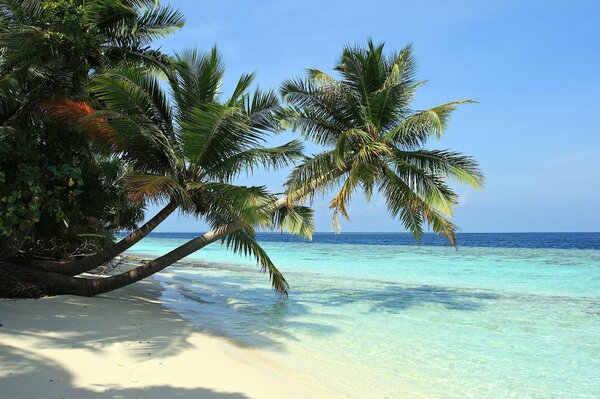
(376, 315)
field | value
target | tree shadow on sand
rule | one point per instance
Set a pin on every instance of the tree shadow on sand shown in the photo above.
(34, 377)
(138, 307)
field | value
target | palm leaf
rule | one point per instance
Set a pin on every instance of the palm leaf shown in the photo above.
(156, 188)
(450, 164)
(424, 124)
(294, 219)
(246, 161)
(244, 242)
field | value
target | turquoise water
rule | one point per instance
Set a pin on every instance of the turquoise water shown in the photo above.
(395, 321)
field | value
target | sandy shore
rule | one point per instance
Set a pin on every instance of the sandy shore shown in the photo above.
(126, 345)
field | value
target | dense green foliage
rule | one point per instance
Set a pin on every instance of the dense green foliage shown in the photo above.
(58, 189)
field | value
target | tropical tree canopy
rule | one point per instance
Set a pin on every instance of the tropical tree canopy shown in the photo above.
(58, 190)
(187, 145)
(375, 141)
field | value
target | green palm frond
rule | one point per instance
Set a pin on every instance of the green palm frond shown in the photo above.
(361, 174)
(133, 22)
(413, 210)
(214, 131)
(197, 78)
(429, 187)
(311, 124)
(138, 57)
(317, 173)
(157, 22)
(262, 108)
(221, 203)
(241, 88)
(453, 165)
(415, 130)
(246, 161)
(156, 188)
(321, 78)
(244, 242)
(141, 143)
(134, 92)
(317, 112)
(294, 219)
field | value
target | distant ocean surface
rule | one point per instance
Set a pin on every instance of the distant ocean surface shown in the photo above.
(376, 315)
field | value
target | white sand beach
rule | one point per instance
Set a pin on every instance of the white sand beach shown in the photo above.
(127, 345)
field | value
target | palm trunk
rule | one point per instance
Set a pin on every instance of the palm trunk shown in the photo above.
(88, 263)
(90, 287)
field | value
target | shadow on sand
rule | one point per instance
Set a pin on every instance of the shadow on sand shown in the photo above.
(31, 371)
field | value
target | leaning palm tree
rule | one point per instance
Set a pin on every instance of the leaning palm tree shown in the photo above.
(375, 142)
(186, 151)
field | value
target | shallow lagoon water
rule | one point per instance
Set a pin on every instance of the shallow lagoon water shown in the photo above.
(375, 316)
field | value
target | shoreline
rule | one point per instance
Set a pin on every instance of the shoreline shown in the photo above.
(126, 344)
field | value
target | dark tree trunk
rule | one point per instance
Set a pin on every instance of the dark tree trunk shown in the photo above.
(62, 284)
(78, 266)
(90, 287)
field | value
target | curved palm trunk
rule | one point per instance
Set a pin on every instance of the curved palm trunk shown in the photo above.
(90, 287)
(88, 263)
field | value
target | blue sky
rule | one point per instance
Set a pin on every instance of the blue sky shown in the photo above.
(534, 66)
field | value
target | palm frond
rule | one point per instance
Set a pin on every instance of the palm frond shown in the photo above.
(197, 79)
(213, 132)
(413, 210)
(453, 165)
(317, 173)
(156, 188)
(140, 142)
(415, 130)
(241, 87)
(134, 92)
(244, 242)
(221, 203)
(262, 108)
(318, 112)
(246, 161)
(157, 22)
(294, 219)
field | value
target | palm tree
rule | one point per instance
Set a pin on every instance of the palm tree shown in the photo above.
(187, 151)
(49, 50)
(376, 142)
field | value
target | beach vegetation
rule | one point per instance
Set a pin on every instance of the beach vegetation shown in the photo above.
(61, 196)
(96, 124)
